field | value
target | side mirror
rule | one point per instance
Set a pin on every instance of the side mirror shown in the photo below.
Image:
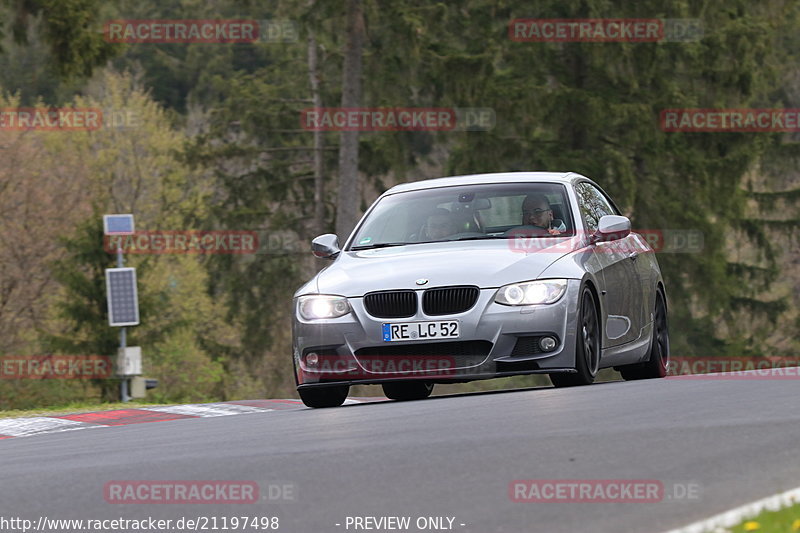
(326, 246)
(611, 228)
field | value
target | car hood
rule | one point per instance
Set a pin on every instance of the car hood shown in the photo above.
(487, 264)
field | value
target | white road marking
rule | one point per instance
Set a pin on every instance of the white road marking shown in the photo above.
(208, 409)
(350, 401)
(730, 518)
(23, 427)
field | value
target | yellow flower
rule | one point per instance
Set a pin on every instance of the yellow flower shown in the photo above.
(796, 525)
(751, 526)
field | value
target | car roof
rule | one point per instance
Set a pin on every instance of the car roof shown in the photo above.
(499, 177)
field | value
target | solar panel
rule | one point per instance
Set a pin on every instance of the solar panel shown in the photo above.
(123, 302)
(118, 224)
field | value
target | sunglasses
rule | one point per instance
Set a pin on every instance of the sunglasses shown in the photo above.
(535, 212)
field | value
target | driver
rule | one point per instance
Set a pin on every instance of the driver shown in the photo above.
(538, 215)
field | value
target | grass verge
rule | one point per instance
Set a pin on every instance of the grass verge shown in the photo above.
(785, 520)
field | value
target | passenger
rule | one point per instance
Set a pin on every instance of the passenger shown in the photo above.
(439, 225)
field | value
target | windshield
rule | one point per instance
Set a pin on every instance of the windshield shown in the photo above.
(467, 212)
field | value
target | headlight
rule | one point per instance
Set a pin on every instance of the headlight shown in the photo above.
(316, 306)
(546, 291)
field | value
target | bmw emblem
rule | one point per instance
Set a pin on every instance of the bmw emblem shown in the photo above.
(421, 281)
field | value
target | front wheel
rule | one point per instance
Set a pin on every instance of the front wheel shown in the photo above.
(325, 396)
(587, 346)
(658, 361)
(407, 390)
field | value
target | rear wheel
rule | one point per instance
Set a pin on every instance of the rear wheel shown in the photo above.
(325, 396)
(407, 390)
(587, 346)
(656, 365)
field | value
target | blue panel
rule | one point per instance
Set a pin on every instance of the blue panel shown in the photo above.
(123, 307)
(119, 223)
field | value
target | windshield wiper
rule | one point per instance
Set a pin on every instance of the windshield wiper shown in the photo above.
(477, 238)
(467, 238)
(378, 245)
(390, 244)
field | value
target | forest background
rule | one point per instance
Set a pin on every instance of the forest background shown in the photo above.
(211, 139)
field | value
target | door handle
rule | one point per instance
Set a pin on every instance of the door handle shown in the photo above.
(633, 255)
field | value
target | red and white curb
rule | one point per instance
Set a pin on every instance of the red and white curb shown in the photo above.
(37, 425)
(24, 427)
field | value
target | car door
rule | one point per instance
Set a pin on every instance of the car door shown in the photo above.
(621, 293)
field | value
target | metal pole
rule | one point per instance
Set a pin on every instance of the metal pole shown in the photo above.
(123, 342)
(124, 383)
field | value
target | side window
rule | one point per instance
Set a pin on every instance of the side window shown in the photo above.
(593, 205)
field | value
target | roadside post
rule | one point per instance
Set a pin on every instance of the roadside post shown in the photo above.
(123, 303)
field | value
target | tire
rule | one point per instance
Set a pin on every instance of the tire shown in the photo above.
(587, 346)
(407, 390)
(325, 396)
(658, 359)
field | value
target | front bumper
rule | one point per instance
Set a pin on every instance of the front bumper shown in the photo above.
(495, 340)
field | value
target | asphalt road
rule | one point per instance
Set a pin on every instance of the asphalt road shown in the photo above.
(728, 442)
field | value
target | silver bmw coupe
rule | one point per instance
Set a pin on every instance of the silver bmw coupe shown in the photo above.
(474, 277)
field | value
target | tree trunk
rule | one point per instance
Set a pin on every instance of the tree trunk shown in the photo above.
(349, 197)
(319, 183)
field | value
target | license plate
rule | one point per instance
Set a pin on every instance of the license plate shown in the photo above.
(407, 331)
